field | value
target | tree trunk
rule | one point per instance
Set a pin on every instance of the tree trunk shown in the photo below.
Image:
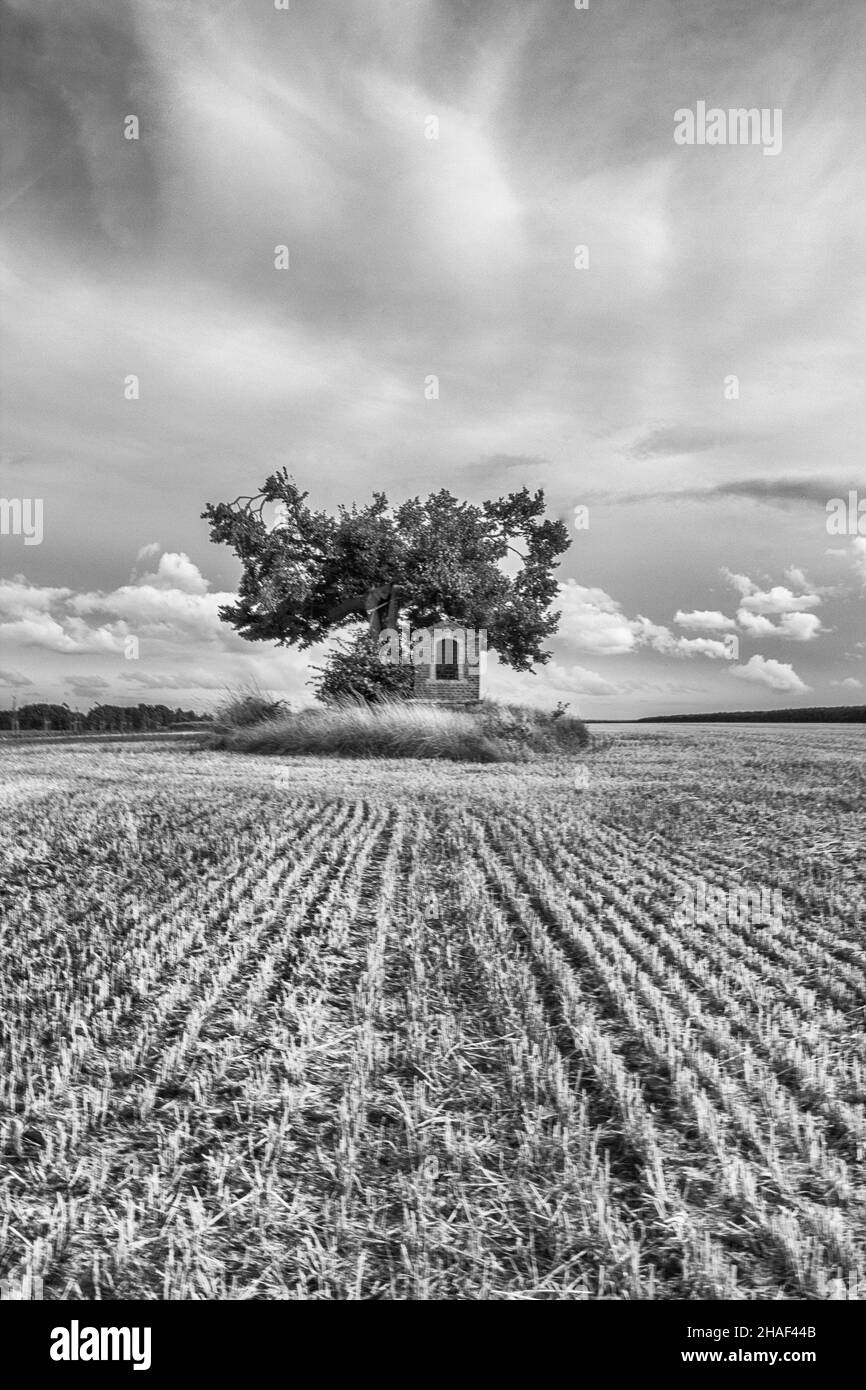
(383, 596)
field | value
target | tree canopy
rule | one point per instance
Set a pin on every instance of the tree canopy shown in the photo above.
(427, 562)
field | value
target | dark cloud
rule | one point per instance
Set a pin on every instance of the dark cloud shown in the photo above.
(779, 491)
(775, 492)
(679, 439)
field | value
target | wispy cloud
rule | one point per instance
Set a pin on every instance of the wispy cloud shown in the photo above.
(11, 680)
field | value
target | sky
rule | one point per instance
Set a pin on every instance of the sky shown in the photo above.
(503, 270)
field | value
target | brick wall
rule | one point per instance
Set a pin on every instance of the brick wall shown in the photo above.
(464, 691)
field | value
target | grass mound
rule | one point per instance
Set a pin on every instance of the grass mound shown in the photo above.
(406, 729)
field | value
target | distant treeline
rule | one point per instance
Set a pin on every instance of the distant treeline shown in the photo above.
(101, 719)
(819, 714)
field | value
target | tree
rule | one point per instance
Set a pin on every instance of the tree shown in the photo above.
(427, 562)
(44, 717)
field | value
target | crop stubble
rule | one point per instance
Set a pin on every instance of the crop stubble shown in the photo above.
(343, 1030)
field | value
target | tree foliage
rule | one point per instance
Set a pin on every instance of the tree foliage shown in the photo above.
(354, 671)
(428, 562)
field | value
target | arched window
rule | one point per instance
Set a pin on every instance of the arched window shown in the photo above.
(447, 668)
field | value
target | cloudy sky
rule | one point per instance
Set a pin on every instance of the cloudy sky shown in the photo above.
(694, 376)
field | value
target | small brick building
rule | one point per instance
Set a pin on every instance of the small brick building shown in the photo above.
(449, 678)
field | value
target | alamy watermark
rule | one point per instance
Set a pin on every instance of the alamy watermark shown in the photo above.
(424, 645)
(847, 516)
(704, 904)
(77, 1343)
(22, 516)
(736, 126)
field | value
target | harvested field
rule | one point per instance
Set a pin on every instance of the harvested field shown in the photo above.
(332, 1029)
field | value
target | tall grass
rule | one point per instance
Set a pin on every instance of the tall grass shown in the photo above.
(354, 729)
(396, 728)
(246, 705)
(531, 733)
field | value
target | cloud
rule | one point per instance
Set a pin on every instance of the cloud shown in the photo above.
(793, 627)
(776, 600)
(163, 605)
(145, 553)
(855, 555)
(592, 621)
(702, 646)
(556, 679)
(175, 571)
(170, 606)
(87, 685)
(662, 640)
(797, 577)
(169, 614)
(20, 599)
(182, 643)
(148, 552)
(849, 683)
(677, 439)
(656, 635)
(178, 680)
(69, 636)
(10, 680)
(858, 557)
(774, 674)
(778, 491)
(503, 463)
(577, 679)
(779, 600)
(702, 620)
